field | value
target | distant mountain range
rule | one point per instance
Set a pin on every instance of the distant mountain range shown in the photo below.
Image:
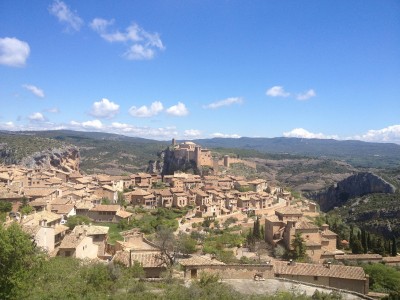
(357, 153)
(113, 150)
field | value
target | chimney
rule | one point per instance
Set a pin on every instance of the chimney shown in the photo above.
(329, 265)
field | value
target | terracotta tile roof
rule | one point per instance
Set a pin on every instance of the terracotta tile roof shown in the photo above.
(103, 207)
(303, 269)
(62, 208)
(148, 260)
(41, 215)
(60, 201)
(71, 241)
(197, 260)
(288, 210)
(60, 228)
(139, 192)
(328, 232)
(41, 192)
(91, 229)
(124, 214)
(392, 259)
(306, 225)
(358, 256)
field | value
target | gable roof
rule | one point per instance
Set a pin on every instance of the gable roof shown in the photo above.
(303, 269)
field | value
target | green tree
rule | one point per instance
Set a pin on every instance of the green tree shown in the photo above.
(19, 258)
(77, 220)
(186, 245)
(394, 246)
(299, 247)
(257, 229)
(5, 206)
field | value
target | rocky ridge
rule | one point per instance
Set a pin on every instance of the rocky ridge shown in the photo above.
(66, 159)
(353, 186)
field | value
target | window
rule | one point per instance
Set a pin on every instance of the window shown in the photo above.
(315, 278)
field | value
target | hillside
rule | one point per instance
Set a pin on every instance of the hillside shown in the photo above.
(376, 213)
(357, 153)
(99, 152)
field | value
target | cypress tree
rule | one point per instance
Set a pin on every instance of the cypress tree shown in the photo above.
(394, 247)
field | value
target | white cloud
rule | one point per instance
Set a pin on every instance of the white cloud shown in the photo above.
(225, 102)
(146, 112)
(307, 95)
(139, 52)
(142, 45)
(222, 135)
(146, 132)
(13, 52)
(96, 124)
(277, 91)
(388, 134)
(53, 110)
(178, 110)
(65, 15)
(37, 117)
(302, 133)
(192, 133)
(34, 90)
(104, 109)
(7, 126)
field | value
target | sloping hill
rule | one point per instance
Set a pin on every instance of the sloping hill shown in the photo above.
(100, 152)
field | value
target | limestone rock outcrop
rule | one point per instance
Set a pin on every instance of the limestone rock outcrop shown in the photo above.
(66, 159)
(353, 186)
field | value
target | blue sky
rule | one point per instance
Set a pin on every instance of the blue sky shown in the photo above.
(200, 69)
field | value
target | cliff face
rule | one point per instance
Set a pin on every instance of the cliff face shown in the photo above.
(66, 159)
(167, 164)
(354, 186)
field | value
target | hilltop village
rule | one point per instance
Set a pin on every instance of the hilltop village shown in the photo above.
(54, 197)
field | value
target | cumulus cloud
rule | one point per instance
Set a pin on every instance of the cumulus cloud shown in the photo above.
(95, 124)
(34, 90)
(388, 134)
(7, 126)
(225, 102)
(13, 52)
(64, 15)
(37, 117)
(302, 133)
(104, 109)
(146, 112)
(277, 91)
(222, 135)
(142, 45)
(178, 110)
(307, 95)
(192, 133)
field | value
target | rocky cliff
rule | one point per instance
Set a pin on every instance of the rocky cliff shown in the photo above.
(66, 159)
(353, 186)
(167, 164)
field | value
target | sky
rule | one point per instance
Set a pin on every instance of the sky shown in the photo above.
(202, 69)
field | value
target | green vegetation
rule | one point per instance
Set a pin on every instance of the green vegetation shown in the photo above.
(14, 147)
(77, 220)
(376, 213)
(384, 279)
(19, 259)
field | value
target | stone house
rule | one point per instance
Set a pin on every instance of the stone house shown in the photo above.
(164, 198)
(336, 276)
(108, 213)
(288, 221)
(78, 245)
(99, 235)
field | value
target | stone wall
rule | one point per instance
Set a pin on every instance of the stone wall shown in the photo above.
(231, 271)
